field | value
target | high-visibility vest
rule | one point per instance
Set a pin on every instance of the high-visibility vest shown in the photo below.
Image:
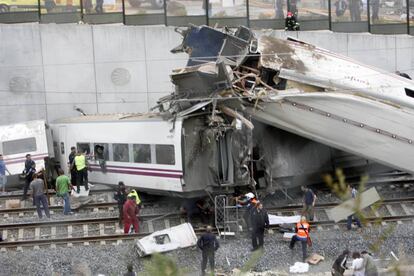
(80, 162)
(135, 194)
(303, 229)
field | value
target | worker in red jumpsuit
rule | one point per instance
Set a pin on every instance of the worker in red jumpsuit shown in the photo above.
(130, 215)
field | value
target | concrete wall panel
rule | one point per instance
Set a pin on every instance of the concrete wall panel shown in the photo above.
(70, 78)
(66, 44)
(115, 44)
(70, 98)
(20, 45)
(335, 42)
(121, 77)
(10, 114)
(116, 98)
(163, 68)
(405, 54)
(21, 79)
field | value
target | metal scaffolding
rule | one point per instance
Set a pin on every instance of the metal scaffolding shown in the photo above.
(226, 216)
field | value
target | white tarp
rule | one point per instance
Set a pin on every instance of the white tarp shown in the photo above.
(176, 237)
(273, 219)
(299, 267)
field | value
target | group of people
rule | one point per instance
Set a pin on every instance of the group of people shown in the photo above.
(362, 264)
(129, 205)
(78, 164)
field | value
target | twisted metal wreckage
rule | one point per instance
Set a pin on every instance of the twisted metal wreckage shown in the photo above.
(242, 87)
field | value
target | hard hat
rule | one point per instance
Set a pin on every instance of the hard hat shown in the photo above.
(250, 195)
(289, 14)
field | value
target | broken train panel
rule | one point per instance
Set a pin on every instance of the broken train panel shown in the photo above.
(17, 140)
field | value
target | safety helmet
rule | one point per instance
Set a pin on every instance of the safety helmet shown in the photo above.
(289, 14)
(250, 195)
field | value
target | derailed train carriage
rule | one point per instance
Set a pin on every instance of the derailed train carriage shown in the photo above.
(185, 157)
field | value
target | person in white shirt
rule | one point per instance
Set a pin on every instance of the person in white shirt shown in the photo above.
(357, 264)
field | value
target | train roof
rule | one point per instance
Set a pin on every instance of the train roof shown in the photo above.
(117, 117)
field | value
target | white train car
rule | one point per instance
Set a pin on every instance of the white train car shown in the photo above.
(145, 152)
(17, 140)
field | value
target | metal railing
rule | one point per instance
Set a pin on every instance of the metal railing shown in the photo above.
(376, 16)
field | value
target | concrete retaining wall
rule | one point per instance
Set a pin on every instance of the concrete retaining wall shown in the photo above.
(47, 70)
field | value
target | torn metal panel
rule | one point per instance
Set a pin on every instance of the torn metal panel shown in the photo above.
(206, 44)
(347, 208)
(202, 80)
(176, 237)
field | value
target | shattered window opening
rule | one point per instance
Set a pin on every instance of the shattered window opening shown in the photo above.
(121, 152)
(19, 146)
(165, 154)
(84, 148)
(101, 151)
(142, 153)
(409, 92)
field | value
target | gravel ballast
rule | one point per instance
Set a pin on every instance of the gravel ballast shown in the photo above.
(233, 253)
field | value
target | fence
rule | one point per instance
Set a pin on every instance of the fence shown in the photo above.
(375, 16)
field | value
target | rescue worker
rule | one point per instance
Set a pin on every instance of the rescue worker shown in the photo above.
(309, 200)
(247, 201)
(81, 171)
(121, 197)
(339, 266)
(29, 171)
(290, 22)
(73, 177)
(130, 215)
(369, 264)
(302, 235)
(353, 192)
(260, 220)
(135, 195)
(208, 244)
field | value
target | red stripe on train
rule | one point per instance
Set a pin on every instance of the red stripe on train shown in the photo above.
(166, 175)
(137, 168)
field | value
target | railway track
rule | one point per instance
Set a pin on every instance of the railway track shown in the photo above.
(106, 229)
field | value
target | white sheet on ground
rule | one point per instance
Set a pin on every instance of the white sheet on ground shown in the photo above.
(299, 267)
(273, 219)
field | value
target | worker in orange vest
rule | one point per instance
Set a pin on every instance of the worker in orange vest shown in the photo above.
(302, 235)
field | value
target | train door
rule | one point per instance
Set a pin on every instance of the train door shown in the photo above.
(62, 149)
(225, 160)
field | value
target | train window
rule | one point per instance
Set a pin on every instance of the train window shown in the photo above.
(165, 154)
(142, 153)
(101, 151)
(84, 148)
(121, 152)
(19, 146)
